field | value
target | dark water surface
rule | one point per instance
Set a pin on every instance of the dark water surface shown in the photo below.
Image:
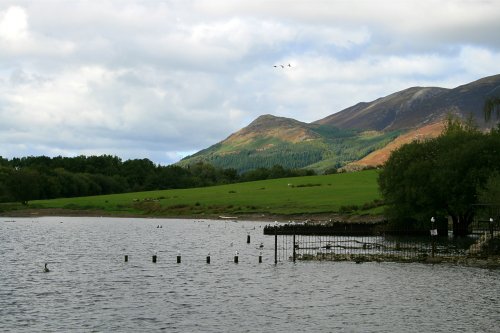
(91, 289)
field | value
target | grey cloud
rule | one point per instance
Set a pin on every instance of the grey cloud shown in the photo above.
(162, 79)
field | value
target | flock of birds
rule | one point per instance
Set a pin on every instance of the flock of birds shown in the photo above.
(282, 66)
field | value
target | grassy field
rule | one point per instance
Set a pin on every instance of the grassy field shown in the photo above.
(311, 195)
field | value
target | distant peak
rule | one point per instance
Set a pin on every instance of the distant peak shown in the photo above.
(265, 117)
(267, 126)
(268, 120)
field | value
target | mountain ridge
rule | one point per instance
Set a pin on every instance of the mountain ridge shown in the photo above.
(349, 135)
(418, 106)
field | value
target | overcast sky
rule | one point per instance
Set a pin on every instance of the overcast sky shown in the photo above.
(163, 79)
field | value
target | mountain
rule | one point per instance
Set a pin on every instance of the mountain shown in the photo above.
(271, 140)
(359, 136)
(418, 106)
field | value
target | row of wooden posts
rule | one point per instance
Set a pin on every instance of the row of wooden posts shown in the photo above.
(179, 258)
(236, 256)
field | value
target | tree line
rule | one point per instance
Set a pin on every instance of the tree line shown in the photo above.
(42, 177)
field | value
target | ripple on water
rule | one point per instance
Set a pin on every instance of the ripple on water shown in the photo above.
(91, 288)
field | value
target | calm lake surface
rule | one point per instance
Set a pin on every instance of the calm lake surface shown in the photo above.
(91, 289)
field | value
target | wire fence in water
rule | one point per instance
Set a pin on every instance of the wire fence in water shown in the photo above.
(367, 248)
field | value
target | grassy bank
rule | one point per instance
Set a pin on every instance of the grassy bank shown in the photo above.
(349, 193)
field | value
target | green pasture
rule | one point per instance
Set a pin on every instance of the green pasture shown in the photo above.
(285, 196)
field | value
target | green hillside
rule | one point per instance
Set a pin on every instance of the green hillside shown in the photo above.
(270, 141)
(286, 196)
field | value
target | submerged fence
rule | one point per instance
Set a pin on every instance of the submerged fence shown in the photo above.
(362, 245)
(365, 248)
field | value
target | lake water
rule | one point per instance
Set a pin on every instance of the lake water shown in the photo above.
(90, 287)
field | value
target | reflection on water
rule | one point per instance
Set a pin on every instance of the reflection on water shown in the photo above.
(91, 287)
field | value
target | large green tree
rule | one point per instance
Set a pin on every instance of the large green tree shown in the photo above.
(440, 176)
(24, 185)
(490, 194)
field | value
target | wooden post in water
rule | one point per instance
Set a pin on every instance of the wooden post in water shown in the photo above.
(294, 244)
(248, 238)
(433, 236)
(126, 258)
(154, 258)
(275, 244)
(491, 228)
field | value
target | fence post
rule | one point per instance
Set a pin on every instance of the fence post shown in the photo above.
(433, 236)
(275, 244)
(294, 243)
(491, 227)
(490, 244)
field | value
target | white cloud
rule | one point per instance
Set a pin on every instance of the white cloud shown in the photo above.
(164, 79)
(16, 39)
(479, 60)
(13, 24)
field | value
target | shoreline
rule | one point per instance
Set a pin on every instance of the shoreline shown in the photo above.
(260, 217)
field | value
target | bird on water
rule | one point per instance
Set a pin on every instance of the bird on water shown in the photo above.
(46, 269)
